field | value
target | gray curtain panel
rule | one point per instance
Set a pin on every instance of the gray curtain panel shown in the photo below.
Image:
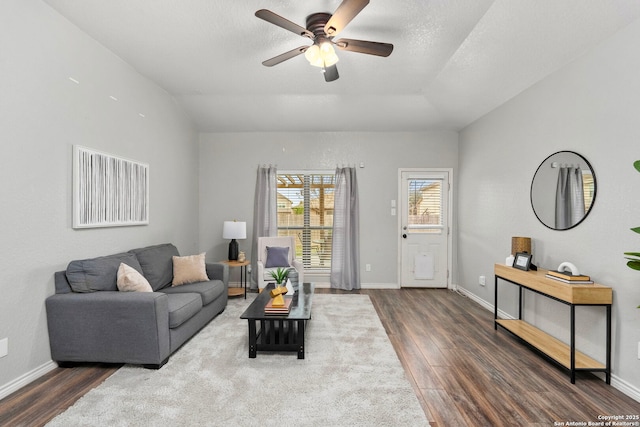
(345, 249)
(569, 197)
(264, 213)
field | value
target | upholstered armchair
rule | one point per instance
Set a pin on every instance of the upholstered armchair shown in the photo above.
(274, 252)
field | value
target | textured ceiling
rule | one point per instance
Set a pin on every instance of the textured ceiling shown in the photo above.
(453, 60)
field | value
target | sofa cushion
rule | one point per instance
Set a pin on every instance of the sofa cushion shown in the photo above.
(277, 256)
(130, 280)
(209, 291)
(182, 307)
(189, 269)
(157, 263)
(98, 274)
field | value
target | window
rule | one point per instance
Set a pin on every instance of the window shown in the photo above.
(425, 206)
(305, 211)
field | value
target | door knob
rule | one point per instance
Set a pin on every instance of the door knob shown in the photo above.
(404, 236)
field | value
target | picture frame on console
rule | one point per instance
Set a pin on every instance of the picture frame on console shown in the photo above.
(522, 261)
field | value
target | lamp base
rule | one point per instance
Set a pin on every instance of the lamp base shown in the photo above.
(233, 250)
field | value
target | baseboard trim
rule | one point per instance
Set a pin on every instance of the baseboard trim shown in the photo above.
(490, 307)
(27, 378)
(616, 382)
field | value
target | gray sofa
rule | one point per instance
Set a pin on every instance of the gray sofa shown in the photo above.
(89, 320)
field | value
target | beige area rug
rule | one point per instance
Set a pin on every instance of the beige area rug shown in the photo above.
(351, 376)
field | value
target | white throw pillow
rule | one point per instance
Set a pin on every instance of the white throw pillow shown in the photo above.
(130, 280)
(189, 269)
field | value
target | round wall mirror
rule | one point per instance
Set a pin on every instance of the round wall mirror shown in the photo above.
(563, 190)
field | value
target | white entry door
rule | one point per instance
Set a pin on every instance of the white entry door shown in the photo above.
(424, 233)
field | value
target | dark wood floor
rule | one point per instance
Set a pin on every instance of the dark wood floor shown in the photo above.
(463, 371)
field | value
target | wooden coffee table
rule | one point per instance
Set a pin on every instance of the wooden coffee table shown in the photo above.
(279, 333)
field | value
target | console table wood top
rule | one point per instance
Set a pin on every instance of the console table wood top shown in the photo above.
(572, 293)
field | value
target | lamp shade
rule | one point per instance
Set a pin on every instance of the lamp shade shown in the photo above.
(520, 244)
(234, 230)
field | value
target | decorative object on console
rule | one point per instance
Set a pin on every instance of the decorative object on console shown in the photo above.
(522, 261)
(234, 230)
(520, 245)
(568, 273)
(241, 257)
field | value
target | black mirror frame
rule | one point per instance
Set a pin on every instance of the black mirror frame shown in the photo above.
(593, 200)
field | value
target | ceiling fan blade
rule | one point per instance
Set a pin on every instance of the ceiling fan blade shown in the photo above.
(347, 10)
(284, 56)
(281, 22)
(331, 73)
(362, 46)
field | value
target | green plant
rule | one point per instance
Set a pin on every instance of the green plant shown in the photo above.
(634, 257)
(280, 274)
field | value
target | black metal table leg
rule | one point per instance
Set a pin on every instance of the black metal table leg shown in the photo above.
(519, 302)
(300, 339)
(608, 371)
(573, 344)
(495, 299)
(252, 339)
(245, 282)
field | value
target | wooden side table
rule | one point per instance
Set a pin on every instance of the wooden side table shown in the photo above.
(236, 292)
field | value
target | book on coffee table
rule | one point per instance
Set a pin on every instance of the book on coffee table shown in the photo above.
(269, 308)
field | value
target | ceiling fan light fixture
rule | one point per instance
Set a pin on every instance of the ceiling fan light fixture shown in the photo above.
(328, 54)
(321, 56)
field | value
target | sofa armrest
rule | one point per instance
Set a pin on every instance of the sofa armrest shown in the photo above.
(218, 271)
(110, 327)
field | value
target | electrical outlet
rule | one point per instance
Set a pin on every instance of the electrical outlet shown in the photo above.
(367, 267)
(4, 347)
(482, 280)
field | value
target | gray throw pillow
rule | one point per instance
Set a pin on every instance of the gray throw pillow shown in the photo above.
(98, 274)
(277, 257)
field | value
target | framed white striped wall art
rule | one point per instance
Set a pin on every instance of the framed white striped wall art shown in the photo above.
(108, 191)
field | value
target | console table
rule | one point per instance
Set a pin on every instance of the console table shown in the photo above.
(569, 294)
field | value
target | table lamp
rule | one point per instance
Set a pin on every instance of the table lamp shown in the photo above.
(520, 244)
(234, 230)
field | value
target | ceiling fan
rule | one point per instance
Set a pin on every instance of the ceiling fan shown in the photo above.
(322, 28)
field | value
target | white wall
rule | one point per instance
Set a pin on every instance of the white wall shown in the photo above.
(591, 107)
(228, 164)
(42, 114)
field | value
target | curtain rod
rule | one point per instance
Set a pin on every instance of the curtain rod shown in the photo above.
(564, 165)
